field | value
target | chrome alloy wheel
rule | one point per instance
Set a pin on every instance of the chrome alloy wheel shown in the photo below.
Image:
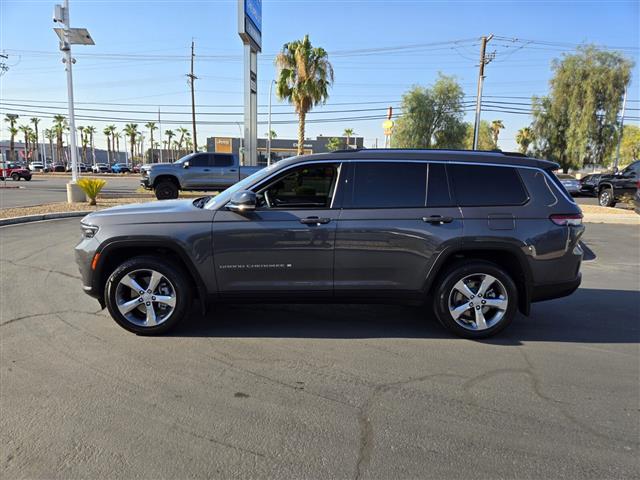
(605, 198)
(146, 298)
(478, 302)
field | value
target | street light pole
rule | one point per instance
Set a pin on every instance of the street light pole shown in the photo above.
(269, 127)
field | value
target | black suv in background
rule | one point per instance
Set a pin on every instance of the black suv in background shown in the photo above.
(476, 236)
(619, 187)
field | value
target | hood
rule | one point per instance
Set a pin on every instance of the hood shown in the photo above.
(162, 211)
(149, 166)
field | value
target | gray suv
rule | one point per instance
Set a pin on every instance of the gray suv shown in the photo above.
(475, 236)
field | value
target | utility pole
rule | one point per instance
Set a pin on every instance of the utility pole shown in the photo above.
(192, 78)
(624, 107)
(269, 128)
(484, 60)
(160, 133)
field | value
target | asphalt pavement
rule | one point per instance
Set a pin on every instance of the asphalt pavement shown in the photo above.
(315, 391)
(48, 189)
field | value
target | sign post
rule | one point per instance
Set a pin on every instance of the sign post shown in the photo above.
(250, 31)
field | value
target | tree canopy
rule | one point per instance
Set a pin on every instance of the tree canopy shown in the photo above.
(432, 117)
(577, 122)
(630, 146)
(485, 136)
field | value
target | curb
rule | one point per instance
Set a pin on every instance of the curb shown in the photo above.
(45, 216)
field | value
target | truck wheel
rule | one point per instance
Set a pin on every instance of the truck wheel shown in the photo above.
(476, 299)
(15, 177)
(166, 190)
(148, 295)
(606, 198)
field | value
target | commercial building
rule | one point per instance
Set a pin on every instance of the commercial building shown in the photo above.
(280, 147)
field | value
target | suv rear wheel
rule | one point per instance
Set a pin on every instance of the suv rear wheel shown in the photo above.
(166, 190)
(606, 197)
(148, 296)
(476, 300)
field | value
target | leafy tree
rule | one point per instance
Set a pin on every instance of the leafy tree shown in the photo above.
(630, 146)
(485, 136)
(432, 117)
(577, 121)
(524, 137)
(496, 126)
(13, 131)
(304, 78)
(348, 132)
(131, 131)
(335, 143)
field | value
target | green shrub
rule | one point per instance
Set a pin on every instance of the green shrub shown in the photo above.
(91, 187)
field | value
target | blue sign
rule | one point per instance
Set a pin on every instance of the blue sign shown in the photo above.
(253, 10)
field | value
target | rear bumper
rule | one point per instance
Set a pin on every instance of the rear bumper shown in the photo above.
(548, 291)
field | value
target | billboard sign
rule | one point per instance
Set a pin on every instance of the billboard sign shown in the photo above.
(250, 22)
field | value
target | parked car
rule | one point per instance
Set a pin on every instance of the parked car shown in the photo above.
(120, 168)
(636, 198)
(14, 172)
(58, 167)
(589, 184)
(479, 236)
(36, 167)
(570, 183)
(619, 187)
(196, 171)
(136, 168)
(82, 167)
(101, 168)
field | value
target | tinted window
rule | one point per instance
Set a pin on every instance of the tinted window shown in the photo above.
(201, 160)
(476, 185)
(304, 187)
(389, 185)
(222, 160)
(438, 194)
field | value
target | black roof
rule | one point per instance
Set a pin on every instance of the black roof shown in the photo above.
(471, 156)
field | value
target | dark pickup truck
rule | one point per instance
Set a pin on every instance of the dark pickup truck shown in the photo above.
(202, 171)
(620, 186)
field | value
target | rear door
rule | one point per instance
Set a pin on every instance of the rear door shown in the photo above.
(396, 218)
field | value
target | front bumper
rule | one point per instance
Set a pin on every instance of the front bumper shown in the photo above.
(144, 182)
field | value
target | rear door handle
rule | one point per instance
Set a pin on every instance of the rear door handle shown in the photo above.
(315, 221)
(233, 170)
(437, 219)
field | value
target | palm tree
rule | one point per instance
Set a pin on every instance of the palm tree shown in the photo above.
(108, 130)
(131, 130)
(90, 131)
(271, 134)
(83, 143)
(26, 130)
(182, 131)
(33, 141)
(49, 135)
(170, 134)
(11, 119)
(59, 126)
(151, 126)
(348, 132)
(524, 138)
(496, 126)
(304, 78)
(35, 121)
(116, 145)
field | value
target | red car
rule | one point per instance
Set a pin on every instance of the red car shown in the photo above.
(13, 171)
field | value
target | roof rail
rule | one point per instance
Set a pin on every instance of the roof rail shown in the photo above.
(508, 154)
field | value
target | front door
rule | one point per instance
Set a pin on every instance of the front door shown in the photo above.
(396, 218)
(287, 243)
(199, 171)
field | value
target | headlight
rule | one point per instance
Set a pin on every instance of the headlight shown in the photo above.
(88, 231)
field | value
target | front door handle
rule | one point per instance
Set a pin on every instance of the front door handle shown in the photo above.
(315, 221)
(437, 219)
(206, 169)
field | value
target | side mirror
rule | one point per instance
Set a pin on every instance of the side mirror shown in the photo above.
(185, 165)
(242, 201)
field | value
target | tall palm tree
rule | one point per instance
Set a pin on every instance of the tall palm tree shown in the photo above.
(271, 134)
(35, 121)
(170, 134)
(82, 142)
(116, 144)
(108, 131)
(13, 131)
(33, 141)
(131, 131)
(59, 126)
(49, 135)
(152, 127)
(182, 131)
(90, 131)
(348, 132)
(26, 130)
(496, 126)
(304, 78)
(524, 138)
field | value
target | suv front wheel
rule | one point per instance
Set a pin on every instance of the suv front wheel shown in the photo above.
(476, 300)
(148, 296)
(606, 197)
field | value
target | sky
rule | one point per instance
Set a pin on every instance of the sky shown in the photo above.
(378, 49)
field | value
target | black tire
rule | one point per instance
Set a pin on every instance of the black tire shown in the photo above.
(606, 198)
(15, 177)
(166, 190)
(28, 178)
(445, 291)
(178, 282)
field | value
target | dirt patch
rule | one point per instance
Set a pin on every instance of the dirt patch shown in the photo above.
(597, 209)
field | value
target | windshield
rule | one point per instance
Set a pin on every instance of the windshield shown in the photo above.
(225, 196)
(184, 159)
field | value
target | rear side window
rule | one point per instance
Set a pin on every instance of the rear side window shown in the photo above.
(478, 185)
(438, 194)
(388, 185)
(222, 160)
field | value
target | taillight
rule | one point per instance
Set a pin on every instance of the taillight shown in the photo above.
(563, 219)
